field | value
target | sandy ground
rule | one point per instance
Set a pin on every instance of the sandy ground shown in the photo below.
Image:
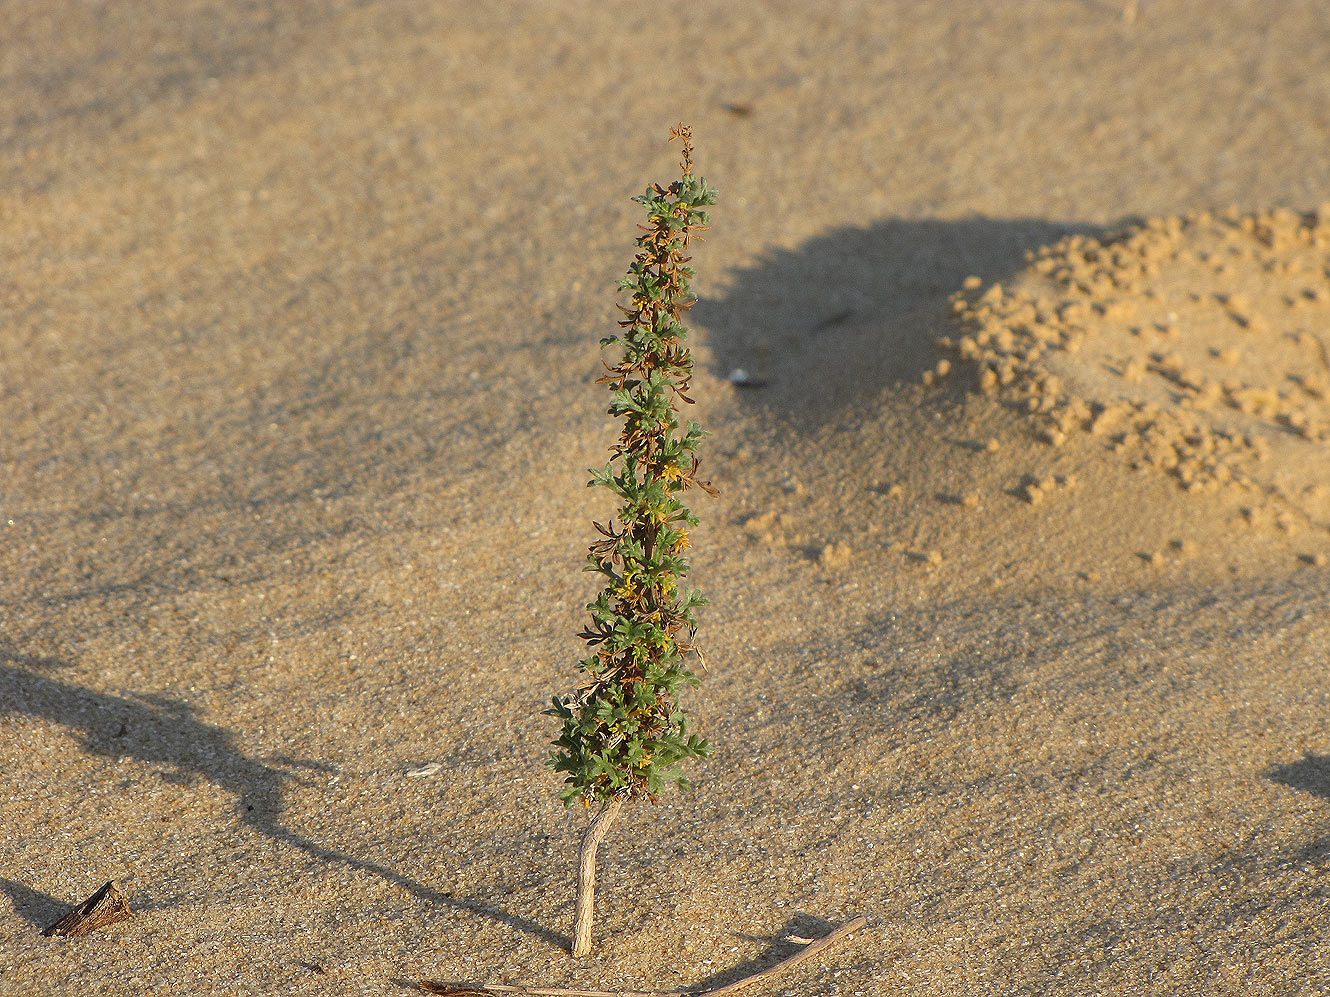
(298, 327)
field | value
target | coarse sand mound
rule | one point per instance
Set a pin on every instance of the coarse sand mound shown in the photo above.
(1198, 345)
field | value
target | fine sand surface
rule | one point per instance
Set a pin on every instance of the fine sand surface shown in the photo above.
(1022, 656)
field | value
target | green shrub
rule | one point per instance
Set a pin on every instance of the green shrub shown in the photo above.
(624, 735)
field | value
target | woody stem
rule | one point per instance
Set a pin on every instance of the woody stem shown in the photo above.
(586, 875)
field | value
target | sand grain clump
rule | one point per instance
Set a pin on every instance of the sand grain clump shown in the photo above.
(1196, 345)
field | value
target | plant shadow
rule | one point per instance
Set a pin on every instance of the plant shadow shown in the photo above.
(160, 730)
(828, 325)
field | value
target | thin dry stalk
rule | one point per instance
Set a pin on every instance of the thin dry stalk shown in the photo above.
(467, 990)
(827, 940)
(586, 875)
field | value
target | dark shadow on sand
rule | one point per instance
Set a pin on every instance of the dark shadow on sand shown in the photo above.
(160, 730)
(35, 907)
(1309, 774)
(832, 323)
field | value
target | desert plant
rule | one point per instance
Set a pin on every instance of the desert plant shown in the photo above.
(624, 735)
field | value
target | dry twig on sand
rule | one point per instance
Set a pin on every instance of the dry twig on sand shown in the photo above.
(104, 908)
(467, 990)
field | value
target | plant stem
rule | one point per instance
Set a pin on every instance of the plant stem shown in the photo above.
(586, 875)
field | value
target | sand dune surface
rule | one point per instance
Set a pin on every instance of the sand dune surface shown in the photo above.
(1018, 626)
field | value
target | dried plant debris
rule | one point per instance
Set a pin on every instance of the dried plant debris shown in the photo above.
(104, 908)
(1197, 345)
(810, 948)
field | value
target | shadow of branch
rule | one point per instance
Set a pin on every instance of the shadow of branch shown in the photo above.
(157, 729)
